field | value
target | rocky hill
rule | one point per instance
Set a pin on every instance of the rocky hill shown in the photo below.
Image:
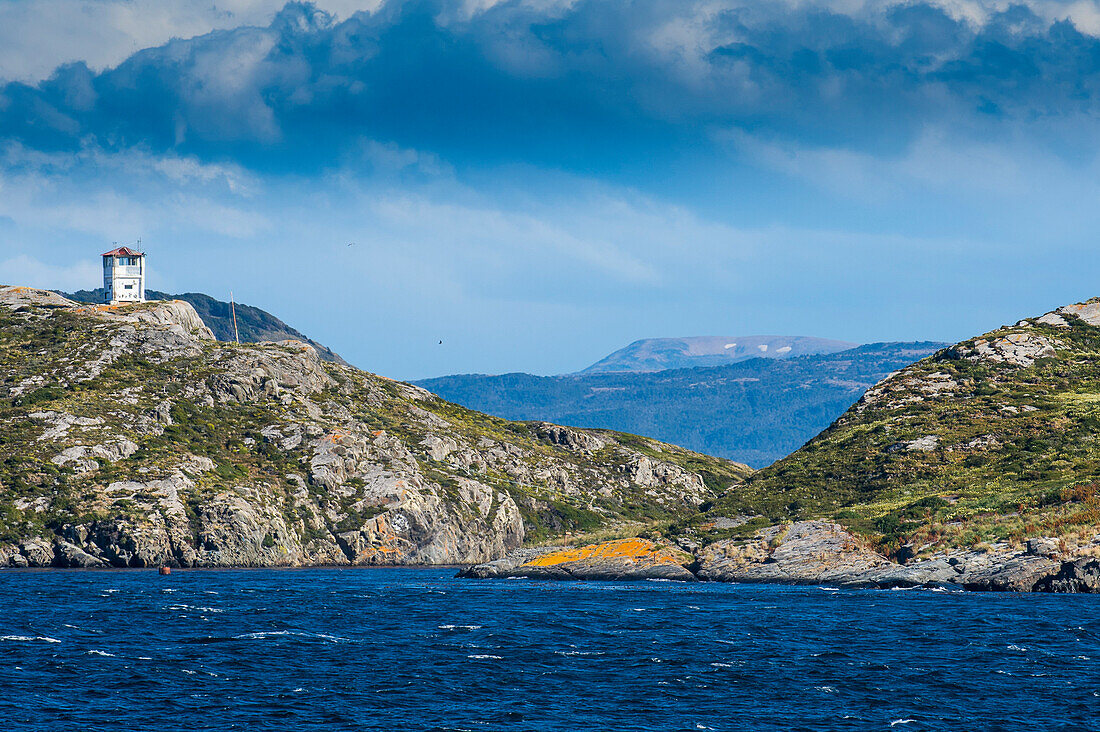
(977, 466)
(129, 436)
(253, 324)
(658, 354)
(754, 412)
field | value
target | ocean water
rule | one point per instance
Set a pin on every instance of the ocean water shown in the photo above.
(416, 649)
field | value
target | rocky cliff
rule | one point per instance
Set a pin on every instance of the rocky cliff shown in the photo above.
(130, 437)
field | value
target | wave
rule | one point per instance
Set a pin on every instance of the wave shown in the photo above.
(263, 634)
(198, 608)
(29, 638)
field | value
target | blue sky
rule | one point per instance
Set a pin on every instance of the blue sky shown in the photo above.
(537, 183)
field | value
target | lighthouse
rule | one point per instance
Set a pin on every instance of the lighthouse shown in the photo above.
(123, 276)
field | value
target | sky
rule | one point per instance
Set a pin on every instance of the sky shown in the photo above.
(536, 183)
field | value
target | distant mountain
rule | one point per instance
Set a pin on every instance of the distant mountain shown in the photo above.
(754, 411)
(660, 354)
(253, 324)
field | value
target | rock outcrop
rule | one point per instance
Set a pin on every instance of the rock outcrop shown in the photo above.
(821, 552)
(132, 438)
(804, 553)
(624, 559)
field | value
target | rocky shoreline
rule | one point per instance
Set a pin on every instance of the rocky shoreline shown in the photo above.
(807, 553)
(802, 553)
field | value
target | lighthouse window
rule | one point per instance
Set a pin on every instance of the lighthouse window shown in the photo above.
(129, 287)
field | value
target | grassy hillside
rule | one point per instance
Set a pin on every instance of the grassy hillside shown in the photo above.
(129, 435)
(994, 439)
(753, 412)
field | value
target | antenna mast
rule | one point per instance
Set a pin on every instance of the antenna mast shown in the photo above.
(233, 309)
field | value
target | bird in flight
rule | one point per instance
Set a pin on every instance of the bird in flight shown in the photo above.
(351, 243)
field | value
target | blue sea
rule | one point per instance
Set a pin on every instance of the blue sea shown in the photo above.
(417, 649)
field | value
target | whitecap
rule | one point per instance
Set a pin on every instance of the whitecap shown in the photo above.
(43, 638)
(197, 608)
(482, 656)
(901, 721)
(260, 635)
(722, 665)
(458, 627)
(94, 652)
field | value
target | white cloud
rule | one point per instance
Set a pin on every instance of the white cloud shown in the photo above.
(103, 33)
(124, 196)
(1010, 175)
(36, 36)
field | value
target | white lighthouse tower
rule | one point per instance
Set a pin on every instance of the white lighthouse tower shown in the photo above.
(123, 276)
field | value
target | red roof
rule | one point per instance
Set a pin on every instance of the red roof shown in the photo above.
(123, 252)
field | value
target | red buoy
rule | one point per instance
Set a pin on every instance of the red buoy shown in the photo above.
(166, 570)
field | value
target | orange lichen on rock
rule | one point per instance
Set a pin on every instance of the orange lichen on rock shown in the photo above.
(638, 550)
